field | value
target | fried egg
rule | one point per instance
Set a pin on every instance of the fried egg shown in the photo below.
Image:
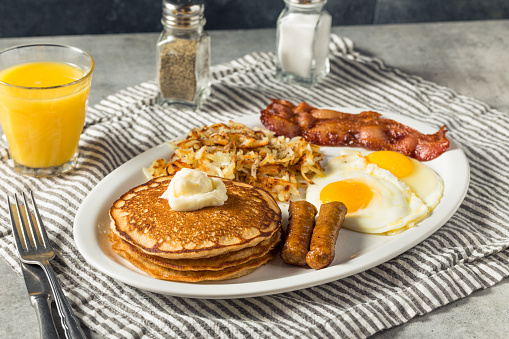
(421, 179)
(376, 200)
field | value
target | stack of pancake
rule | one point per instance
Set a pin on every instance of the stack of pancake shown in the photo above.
(212, 243)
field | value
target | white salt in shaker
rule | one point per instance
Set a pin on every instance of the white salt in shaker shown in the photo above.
(303, 32)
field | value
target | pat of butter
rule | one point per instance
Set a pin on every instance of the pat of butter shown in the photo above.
(190, 190)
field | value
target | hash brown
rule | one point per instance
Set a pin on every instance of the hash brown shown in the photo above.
(278, 165)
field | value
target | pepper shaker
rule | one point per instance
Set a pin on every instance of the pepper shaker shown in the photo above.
(303, 33)
(183, 50)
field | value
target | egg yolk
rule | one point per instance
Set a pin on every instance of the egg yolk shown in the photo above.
(355, 195)
(394, 162)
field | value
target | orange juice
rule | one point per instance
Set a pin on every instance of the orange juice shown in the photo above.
(42, 111)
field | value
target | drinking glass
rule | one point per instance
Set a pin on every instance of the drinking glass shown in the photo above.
(44, 91)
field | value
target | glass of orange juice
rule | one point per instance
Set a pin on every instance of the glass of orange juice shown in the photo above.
(43, 98)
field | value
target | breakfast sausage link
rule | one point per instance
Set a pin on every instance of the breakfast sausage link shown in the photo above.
(300, 227)
(325, 234)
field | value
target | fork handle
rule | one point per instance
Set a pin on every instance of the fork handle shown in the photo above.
(70, 323)
(46, 325)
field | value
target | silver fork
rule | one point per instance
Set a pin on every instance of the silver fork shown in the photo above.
(33, 251)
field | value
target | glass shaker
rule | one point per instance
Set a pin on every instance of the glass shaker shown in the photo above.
(183, 50)
(303, 32)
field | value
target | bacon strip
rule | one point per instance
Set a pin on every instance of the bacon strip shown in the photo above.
(367, 129)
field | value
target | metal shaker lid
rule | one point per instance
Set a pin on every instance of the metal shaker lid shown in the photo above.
(183, 13)
(306, 2)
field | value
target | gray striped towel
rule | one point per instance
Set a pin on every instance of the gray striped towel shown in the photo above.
(468, 253)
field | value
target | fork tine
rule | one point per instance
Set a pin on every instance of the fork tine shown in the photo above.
(42, 229)
(35, 237)
(22, 225)
(15, 232)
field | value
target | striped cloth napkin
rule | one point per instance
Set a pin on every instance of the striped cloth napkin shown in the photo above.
(468, 253)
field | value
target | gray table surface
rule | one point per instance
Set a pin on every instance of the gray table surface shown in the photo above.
(469, 57)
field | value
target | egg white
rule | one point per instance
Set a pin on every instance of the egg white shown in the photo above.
(394, 207)
(423, 181)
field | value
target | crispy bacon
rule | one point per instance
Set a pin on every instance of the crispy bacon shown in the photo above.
(367, 129)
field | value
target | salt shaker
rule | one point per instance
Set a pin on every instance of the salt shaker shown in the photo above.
(303, 32)
(183, 50)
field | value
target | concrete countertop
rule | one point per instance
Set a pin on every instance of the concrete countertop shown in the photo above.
(468, 57)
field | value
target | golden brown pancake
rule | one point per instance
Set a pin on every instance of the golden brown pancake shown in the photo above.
(219, 262)
(159, 272)
(143, 219)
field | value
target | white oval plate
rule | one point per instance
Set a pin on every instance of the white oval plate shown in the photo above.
(355, 252)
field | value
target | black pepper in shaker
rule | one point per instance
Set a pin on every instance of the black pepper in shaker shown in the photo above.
(183, 54)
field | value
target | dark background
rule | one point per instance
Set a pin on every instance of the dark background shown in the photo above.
(63, 17)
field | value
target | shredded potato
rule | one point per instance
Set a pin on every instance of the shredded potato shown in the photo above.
(233, 151)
